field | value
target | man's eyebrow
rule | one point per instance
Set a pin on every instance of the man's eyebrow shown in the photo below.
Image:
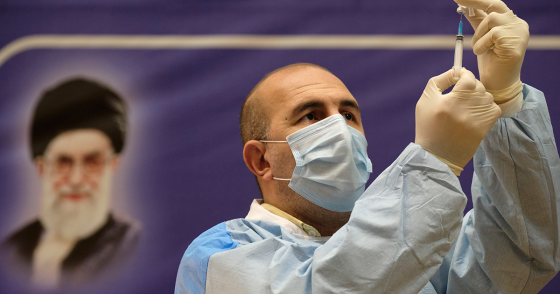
(309, 104)
(316, 104)
(93, 153)
(63, 155)
(350, 103)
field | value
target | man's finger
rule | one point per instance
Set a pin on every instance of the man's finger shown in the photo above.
(467, 81)
(491, 21)
(475, 20)
(480, 88)
(484, 43)
(445, 80)
(487, 6)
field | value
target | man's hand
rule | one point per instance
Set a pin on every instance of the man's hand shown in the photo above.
(500, 41)
(451, 126)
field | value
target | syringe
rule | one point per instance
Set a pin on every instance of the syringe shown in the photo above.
(458, 63)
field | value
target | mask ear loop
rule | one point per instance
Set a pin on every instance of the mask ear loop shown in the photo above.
(264, 141)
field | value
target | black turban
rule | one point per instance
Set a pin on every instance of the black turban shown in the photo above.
(78, 104)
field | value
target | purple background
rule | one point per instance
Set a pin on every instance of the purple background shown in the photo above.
(182, 170)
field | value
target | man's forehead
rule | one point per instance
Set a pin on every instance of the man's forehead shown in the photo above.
(79, 142)
(282, 87)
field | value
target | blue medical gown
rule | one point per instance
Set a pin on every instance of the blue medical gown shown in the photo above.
(407, 233)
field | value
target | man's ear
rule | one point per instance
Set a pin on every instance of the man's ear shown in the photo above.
(39, 165)
(253, 154)
(115, 163)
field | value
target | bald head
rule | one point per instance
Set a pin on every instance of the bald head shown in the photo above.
(254, 121)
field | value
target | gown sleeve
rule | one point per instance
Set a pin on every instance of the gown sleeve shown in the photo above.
(509, 240)
(398, 234)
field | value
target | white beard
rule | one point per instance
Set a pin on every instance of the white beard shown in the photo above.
(73, 220)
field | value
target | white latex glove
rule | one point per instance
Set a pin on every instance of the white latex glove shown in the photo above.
(451, 126)
(500, 42)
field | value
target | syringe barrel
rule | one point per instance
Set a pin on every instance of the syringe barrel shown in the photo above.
(458, 63)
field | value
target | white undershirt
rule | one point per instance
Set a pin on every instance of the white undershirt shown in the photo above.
(257, 212)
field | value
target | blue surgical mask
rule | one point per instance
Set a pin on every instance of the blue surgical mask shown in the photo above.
(332, 166)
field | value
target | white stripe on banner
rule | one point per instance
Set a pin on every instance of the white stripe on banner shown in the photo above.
(414, 42)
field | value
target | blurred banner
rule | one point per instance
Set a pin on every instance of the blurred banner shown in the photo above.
(119, 121)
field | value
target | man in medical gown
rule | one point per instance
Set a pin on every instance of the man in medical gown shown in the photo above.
(317, 231)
